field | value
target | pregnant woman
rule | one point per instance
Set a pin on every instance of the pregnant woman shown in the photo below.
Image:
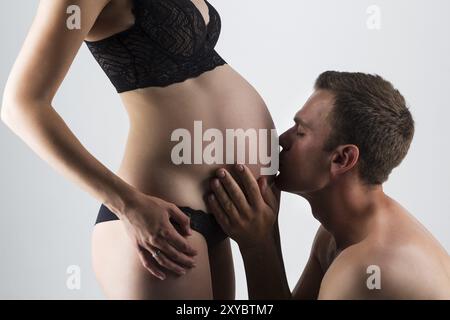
(153, 237)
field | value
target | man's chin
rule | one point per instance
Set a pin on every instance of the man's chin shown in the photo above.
(283, 185)
(279, 182)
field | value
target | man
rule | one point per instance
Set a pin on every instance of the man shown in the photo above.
(347, 138)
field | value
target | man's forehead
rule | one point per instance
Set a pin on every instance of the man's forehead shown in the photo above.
(318, 106)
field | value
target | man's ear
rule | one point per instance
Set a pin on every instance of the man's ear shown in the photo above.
(344, 158)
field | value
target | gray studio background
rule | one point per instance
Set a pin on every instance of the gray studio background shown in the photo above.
(278, 46)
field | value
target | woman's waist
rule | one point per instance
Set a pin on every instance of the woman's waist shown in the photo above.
(195, 148)
(180, 134)
(183, 185)
(197, 119)
(157, 174)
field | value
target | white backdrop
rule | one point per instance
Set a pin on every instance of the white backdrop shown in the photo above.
(278, 46)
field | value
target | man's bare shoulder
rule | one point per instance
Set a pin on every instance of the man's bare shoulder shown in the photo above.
(374, 270)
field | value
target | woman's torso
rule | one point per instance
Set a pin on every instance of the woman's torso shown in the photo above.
(221, 99)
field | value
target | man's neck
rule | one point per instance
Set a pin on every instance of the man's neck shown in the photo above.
(347, 210)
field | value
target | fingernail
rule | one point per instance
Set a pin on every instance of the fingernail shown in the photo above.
(240, 167)
(221, 173)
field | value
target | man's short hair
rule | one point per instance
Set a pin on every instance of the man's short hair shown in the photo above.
(371, 114)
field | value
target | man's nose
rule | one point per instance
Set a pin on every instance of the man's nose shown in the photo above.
(283, 140)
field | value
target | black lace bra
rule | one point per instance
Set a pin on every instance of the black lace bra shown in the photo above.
(169, 42)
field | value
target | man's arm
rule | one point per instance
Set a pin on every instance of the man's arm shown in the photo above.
(251, 220)
(264, 269)
(308, 285)
(258, 267)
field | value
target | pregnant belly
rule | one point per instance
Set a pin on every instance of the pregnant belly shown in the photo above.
(180, 135)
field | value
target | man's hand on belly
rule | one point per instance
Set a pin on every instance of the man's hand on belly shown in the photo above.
(247, 215)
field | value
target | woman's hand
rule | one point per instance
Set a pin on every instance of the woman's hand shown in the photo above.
(247, 215)
(148, 222)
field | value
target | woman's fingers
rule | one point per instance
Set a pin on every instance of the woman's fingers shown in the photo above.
(149, 263)
(181, 219)
(163, 260)
(171, 235)
(173, 254)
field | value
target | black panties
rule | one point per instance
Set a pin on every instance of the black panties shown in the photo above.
(201, 222)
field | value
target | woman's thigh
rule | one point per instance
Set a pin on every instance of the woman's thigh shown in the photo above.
(222, 271)
(122, 276)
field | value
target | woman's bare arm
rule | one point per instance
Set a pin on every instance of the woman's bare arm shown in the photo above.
(44, 60)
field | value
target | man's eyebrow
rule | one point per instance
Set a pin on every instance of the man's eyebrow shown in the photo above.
(299, 120)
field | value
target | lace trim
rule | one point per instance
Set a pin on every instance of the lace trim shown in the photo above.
(169, 42)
